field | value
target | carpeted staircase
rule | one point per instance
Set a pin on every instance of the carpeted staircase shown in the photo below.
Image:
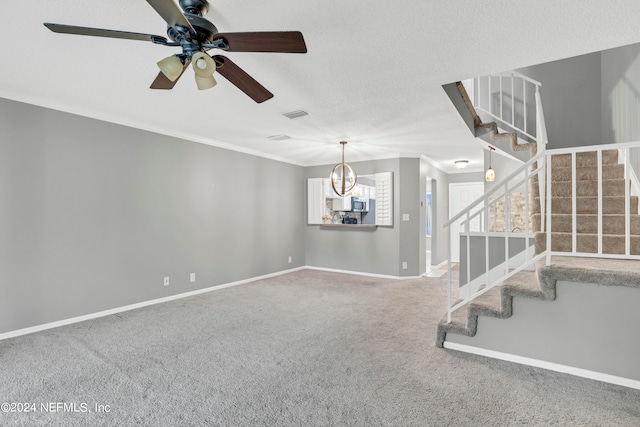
(541, 283)
(613, 206)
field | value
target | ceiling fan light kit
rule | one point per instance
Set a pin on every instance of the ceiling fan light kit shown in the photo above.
(194, 34)
(171, 67)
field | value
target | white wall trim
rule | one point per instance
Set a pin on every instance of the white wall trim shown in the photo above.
(579, 372)
(137, 124)
(109, 312)
(360, 273)
(439, 266)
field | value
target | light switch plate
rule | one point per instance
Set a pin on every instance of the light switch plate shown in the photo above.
(406, 217)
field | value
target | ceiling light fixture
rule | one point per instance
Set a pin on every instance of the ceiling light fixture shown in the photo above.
(490, 175)
(171, 67)
(204, 66)
(461, 164)
(343, 177)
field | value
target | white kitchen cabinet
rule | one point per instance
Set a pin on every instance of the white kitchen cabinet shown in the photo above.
(342, 203)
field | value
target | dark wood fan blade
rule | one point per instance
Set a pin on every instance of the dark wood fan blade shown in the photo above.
(162, 82)
(170, 12)
(241, 79)
(99, 32)
(273, 41)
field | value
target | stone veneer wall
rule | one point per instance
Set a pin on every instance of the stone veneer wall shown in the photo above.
(497, 217)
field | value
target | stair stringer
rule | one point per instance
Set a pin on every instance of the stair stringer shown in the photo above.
(512, 142)
(498, 302)
(541, 285)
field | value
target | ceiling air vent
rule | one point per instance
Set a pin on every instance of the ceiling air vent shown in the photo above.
(296, 114)
(279, 137)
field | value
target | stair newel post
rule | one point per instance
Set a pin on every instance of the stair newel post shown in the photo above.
(507, 226)
(548, 206)
(449, 305)
(513, 103)
(486, 240)
(527, 215)
(574, 214)
(490, 95)
(627, 207)
(599, 161)
(501, 93)
(467, 228)
(524, 103)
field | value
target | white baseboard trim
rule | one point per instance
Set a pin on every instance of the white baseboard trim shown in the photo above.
(579, 372)
(439, 266)
(361, 273)
(109, 312)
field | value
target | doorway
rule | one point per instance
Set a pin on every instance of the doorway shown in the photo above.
(461, 195)
(429, 222)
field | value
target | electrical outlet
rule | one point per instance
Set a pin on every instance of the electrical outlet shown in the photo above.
(406, 217)
(289, 259)
(404, 265)
(166, 281)
(192, 277)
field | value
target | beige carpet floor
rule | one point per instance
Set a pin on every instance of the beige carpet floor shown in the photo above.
(308, 348)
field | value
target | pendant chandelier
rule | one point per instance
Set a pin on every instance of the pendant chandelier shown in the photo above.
(343, 177)
(490, 175)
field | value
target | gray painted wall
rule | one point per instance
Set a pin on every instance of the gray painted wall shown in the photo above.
(591, 99)
(621, 94)
(373, 251)
(440, 207)
(502, 166)
(571, 97)
(478, 254)
(381, 250)
(588, 326)
(93, 215)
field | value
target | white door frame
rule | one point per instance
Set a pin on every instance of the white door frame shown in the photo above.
(475, 190)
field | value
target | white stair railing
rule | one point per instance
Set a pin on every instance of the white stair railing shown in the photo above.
(484, 211)
(630, 184)
(492, 228)
(523, 180)
(510, 98)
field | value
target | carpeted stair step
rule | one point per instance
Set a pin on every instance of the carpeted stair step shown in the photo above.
(585, 159)
(527, 284)
(587, 243)
(611, 223)
(588, 173)
(610, 187)
(589, 205)
(464, 321)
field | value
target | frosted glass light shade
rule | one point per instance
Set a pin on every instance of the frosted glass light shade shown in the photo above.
(490, 175)
(205, 82)
(171, 67)
(203, 65)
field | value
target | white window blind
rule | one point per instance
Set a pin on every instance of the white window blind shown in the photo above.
(384, 198)
(315, 201)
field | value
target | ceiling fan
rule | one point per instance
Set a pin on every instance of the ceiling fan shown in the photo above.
(196, 35)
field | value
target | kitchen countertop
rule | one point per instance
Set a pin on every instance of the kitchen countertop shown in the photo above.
(350, 225)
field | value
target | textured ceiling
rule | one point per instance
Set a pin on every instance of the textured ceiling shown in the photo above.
(372, 76)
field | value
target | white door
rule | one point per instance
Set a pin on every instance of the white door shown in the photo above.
(462, 195)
